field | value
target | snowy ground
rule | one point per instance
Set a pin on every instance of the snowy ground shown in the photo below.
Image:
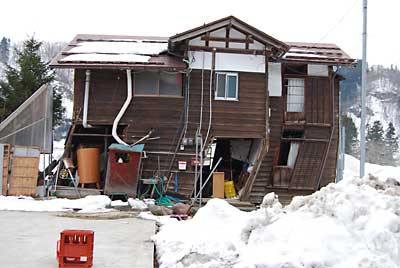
(355, 223)
(28, 239)
(88, 204)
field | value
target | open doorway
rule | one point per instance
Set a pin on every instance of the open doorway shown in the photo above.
(287, 157)
(238, 157)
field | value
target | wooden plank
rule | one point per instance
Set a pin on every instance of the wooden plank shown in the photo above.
(227, 39)
(24, 174)
(228, 50)
(218, 185)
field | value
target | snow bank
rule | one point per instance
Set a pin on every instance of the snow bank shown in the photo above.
(352, 169)
(89, 204)
(355, 223)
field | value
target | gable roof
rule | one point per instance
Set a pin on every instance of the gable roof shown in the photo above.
(316, 53)
(116, 51)
(236, 23)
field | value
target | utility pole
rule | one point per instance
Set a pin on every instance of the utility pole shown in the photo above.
(363, 90)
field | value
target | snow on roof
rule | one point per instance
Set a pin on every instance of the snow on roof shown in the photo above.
(308, 55)
(94, 57)
(317, 52)
(120, 47)
(117, 51)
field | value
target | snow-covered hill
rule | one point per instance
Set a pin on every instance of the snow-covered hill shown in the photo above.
(383, 98)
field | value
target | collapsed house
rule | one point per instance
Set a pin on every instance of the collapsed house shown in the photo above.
(223, 97)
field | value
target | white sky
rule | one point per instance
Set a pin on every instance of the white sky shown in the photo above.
(329, 21)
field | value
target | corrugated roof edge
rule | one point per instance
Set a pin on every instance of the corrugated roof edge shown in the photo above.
(168, 62)
(327, 51)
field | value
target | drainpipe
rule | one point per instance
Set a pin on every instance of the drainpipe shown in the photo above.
(86, 100)
(123, 109)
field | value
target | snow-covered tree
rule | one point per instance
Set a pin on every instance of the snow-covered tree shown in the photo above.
(351, 141)
(391, 145)
(4, 50)
(375, 143)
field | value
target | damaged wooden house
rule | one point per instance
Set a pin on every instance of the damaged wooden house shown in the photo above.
(223, 97)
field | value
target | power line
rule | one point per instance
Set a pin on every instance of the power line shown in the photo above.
(339, 21)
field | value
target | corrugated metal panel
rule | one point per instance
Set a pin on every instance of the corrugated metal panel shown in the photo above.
(31, 124)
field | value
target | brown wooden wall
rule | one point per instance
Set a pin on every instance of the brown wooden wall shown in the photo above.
(318, 125)
(244, 118)
(108, 91)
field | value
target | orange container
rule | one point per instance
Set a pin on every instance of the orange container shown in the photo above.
(89, 165)
(75, 249)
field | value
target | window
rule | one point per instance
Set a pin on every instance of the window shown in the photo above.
(288, 153)
(295, 95)
(298, 69)
(158, 84)
(227, 86)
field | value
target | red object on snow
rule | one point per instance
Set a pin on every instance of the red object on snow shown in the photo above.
(75, 249)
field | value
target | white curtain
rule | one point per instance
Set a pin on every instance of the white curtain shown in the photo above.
(295, 95)
(294, 150)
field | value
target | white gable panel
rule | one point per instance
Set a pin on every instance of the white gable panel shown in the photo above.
(318, 70)
(227, 62)
(240, 62)
(237, 45)
(274, 79)
(197, 42)
(236, 34)
(219, 33)
(196, 60)
(216, 44)
(256, 45)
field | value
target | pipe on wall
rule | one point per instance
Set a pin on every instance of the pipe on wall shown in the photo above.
(123, 109)
(86, 100)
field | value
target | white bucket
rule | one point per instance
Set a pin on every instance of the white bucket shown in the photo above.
(182, 165)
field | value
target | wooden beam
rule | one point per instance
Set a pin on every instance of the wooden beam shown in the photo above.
(304, 139)
(228, 50)
(228, 29)
(91, 135)
(227, 39)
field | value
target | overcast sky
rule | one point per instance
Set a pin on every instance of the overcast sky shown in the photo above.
(327, 21)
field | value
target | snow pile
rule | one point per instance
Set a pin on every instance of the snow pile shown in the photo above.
(355, 223)
(161, 220)
(352, 169)
(89, 204)
(138, 204)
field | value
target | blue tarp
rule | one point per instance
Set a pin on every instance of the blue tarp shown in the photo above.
(138, 148)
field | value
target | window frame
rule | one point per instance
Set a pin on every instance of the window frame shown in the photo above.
(227, 74)
(286, 84)
(157, 95)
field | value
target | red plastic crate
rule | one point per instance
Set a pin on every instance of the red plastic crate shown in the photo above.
(75, 249)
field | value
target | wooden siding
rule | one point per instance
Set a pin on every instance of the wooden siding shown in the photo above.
(318, 100)
(244, 118)
(318, 125)
(163, 114)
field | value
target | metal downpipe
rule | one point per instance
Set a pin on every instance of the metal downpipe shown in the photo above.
(86, 100)
(123, 109)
